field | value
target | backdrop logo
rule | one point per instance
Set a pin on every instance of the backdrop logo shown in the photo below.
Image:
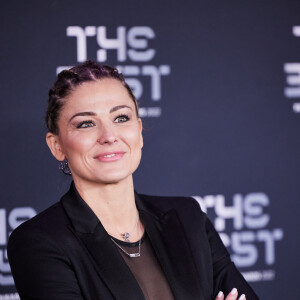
(133, 56)
(8, 222)
(243, 228)
(292, 90)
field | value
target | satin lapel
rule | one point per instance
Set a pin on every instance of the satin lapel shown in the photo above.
(173, 253)
(111, 266)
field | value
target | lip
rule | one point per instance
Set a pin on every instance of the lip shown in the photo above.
(115, 156)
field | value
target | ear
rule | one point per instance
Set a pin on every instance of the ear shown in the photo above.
(55, 146)
(141, 132)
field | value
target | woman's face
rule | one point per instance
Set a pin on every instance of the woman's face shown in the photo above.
(99, 133)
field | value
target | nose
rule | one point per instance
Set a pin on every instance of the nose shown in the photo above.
(106, 135)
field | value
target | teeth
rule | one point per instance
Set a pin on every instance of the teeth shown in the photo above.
(110, 155)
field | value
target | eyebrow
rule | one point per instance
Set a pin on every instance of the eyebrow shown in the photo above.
(90, 113)
(119, 107)
(86, 113)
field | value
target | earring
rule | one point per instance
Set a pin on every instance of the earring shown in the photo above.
(64, 166)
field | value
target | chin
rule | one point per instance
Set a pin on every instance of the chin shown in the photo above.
(113, 178)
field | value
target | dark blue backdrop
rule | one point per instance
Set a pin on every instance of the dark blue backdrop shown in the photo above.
(219, 88)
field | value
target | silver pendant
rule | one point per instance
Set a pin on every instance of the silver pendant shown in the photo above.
(134, 254)
(126, 236)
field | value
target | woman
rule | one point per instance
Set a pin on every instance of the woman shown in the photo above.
(103, 240)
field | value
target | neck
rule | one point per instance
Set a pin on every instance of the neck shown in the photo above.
(113, 204)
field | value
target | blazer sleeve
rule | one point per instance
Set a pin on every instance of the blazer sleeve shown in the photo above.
(226, 275)
(40, 268)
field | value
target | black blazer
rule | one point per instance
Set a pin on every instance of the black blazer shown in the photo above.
(65, 253)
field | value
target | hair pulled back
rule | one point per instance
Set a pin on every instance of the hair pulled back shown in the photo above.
(68, 80)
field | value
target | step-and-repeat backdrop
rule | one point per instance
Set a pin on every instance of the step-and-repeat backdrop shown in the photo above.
(218, 84)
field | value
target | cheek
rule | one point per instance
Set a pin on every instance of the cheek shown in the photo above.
(134, 139)
(77, 145)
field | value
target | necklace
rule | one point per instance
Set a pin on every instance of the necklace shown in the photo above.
(126, 235)
(137, 254)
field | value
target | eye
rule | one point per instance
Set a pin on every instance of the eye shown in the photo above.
(121, 119)
(85, 124)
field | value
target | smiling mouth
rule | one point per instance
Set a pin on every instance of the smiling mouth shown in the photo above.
(110, 157)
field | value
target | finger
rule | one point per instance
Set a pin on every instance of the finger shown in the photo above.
(220, 296)
(232, 295)
(242, 297)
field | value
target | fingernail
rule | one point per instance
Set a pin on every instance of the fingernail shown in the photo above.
(242, 297)
(233, 291)
(220, 294)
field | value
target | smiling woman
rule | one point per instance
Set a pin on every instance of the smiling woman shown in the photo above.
(98, 124)
(102, 240)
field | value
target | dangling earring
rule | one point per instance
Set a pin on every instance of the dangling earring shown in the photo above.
(64, 166)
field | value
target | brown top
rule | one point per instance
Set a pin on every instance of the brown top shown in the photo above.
(146, 269)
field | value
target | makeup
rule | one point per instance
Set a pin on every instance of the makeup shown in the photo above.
(110, 156)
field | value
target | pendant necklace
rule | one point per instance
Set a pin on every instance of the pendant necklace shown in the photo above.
(133, 255)
(126, 235)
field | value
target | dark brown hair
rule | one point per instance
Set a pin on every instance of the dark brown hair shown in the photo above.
(68, 80)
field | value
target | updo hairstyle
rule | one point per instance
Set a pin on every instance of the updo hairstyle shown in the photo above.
(68, 80)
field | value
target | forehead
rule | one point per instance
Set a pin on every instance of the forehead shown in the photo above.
(98, 95)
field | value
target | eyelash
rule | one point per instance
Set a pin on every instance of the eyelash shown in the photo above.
(90, 123)
(122, 116)
(87, 122)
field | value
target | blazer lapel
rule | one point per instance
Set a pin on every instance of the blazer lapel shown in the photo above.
(110, 266)
(172, 250)
(106, 258)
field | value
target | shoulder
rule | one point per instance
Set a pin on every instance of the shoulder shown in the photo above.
(185, 207)
(169, 201)
(48, 223)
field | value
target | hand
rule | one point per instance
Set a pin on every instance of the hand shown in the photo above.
(231, 296)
